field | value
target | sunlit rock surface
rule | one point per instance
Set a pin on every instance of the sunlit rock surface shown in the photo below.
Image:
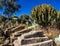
(57, 41)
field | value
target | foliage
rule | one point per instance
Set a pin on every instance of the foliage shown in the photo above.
(14, 19)
(2, 19)
(9, 7)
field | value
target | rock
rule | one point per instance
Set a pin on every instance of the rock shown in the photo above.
(6, 42)
(57, 41)
(16, 43)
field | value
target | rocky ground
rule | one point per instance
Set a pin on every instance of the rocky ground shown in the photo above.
(21, 36)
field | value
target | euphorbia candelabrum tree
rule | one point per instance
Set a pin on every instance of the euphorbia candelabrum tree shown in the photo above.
(43, 15)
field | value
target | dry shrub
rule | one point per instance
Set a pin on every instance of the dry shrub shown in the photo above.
(38, 28)
(52, 33)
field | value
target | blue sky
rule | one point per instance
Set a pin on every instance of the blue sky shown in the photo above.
(28, 5)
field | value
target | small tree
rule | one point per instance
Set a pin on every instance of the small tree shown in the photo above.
(9, 7)
(14, 20)
(24, 19)
(2, 20)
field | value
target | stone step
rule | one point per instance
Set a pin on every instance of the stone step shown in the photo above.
(32, 34)
(17, 28)
(11, 27)
(45, 43)
(21, 32)
(34, 40)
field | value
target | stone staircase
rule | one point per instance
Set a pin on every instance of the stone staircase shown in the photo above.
(35, 38)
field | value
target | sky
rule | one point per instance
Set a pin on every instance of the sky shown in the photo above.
(28, 5)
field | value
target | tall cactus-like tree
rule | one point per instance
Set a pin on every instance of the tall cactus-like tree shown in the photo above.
(43, 15)
(58, 20)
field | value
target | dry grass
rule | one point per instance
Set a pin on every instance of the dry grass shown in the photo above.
(51, 32)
